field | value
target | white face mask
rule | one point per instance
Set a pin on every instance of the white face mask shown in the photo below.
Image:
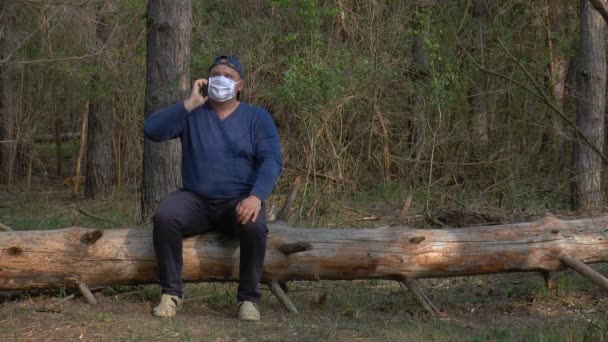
(221, 89)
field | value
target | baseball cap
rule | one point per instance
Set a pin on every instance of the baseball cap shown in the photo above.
(231, 61)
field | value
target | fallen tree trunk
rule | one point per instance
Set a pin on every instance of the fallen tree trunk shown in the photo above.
(68, 257)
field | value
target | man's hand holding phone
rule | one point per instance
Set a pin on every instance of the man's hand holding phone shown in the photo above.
(198, 96)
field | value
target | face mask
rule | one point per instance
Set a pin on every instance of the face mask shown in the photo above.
(221, 89)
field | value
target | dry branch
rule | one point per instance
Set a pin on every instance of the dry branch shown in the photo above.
(424, 301)
(586, 271)
(283, 214)
(66, 257)
(277, 290)
(87, 294)
(40, 138)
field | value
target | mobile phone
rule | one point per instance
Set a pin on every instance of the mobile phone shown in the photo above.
(205, 90)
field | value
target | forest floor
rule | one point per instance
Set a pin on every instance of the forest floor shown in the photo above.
(501, 307)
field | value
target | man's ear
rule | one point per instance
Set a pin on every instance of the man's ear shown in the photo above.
(241, 85)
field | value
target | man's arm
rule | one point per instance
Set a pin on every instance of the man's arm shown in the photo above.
(268, 156)
(169, 123)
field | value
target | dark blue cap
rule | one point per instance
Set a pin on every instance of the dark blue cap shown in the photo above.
(231, 61)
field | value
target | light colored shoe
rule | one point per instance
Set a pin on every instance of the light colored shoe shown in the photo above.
(248, 311)
(168, 306)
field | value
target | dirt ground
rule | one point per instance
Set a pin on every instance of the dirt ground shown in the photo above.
(484, 308)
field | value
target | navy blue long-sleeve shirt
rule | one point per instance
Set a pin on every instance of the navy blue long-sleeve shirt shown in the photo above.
(222, 158)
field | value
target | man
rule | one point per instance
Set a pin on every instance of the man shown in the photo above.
(231, 160)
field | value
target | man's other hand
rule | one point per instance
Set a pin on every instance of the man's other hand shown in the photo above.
(248, 209)
(196, 99)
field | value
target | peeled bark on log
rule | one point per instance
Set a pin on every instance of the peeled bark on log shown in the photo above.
(67, 257)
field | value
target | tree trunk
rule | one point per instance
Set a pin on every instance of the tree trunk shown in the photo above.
(591, 105)
(557, 65)
(28, 126)
(421, 55)
(99, 180)
(54, 258)
(478, 97)
(556, 82)
(167, 81)
(58, 147)
(10, 102)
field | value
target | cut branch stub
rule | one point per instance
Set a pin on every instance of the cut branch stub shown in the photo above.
(417, 239)
(91, 237)
(14, 251)
(294, 247)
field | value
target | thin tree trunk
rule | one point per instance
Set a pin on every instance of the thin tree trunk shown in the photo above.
(83, 144)
(478, 97)
(58, 148)
(28, 149)
(570, 101)
(99, 180)
(10, 106)
(590, 110)
(556, 82)
(167, 81)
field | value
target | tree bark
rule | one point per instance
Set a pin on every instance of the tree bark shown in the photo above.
(478, 98)
(167, 81)
(420, 55)
(557, 65)
(10, 102)
(556, 82)
(99, 180)
(591, 105)
(67, 257)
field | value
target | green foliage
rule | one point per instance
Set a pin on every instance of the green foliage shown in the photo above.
(340, 79)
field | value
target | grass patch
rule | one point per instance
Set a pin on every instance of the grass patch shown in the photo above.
(46, 152)
(43, 210)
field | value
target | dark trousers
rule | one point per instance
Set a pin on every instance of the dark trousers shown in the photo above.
(185, 214)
